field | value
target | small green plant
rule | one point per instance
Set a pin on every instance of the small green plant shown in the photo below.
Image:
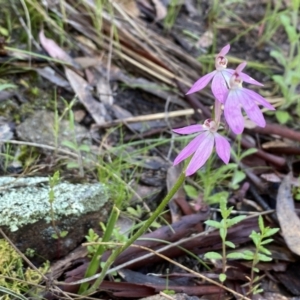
(11, 266)
(138, 212)
(72, 144)
(288, 82)
(296, 191)
(92, 236)
(214, 11)
(5, 86)
(261, 253)
(99, 249)
(238, 155)
(210, 180)
(166, 290)
(172, 13)
(54, 181)
(269, 23)
(223, 226)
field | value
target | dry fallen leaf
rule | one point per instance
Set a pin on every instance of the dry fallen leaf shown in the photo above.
(104, 91)
(49, 74)
(82, 90)
(287, 217)
(54, 50)
(130, 6)
(206, 39)
(160, 10)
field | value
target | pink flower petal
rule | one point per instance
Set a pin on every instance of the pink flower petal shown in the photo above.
(256, 97)
(219, 86)
(253, 111)
(249, 79)
(189, 149)
(201, 83)
(202, 153)
(243, 75)
(189, 129)
(240, 67)
(222, 148)
(227, 73)
(232, 111)
(224, 50)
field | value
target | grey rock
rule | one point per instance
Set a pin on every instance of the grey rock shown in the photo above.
(39, 128)
(25, 213)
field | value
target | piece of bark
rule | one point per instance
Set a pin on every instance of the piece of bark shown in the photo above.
(290, 278)
(280, 130)
(237, 234)
(183, 228)
(287, 217)
(160, 284)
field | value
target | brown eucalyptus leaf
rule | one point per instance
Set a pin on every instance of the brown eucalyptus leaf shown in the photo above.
(287, 217)
(82, 90)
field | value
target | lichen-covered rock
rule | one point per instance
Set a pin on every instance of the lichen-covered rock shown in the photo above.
(25, 213)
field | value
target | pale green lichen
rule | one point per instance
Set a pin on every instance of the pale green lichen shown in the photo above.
(25, 200)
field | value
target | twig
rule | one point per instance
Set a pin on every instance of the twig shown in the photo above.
(151, 117)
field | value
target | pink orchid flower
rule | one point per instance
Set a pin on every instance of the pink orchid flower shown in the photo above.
(238, 97)
(202, 146)
(220, 77)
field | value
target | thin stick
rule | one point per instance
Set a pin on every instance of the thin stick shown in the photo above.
(151, 117)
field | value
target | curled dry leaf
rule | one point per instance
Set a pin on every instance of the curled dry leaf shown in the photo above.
(130, 6)
(160, 10)
(54, 50)
(287, 217)
(206, 39)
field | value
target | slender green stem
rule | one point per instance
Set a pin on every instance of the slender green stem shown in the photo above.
(141, 231)
(254, 262)
(224, 260)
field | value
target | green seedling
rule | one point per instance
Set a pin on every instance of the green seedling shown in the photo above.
(166, 290)
(261, 253)
(100, 249)
(288, 82)
(54, 181)
(223, 226)
(172, 13)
